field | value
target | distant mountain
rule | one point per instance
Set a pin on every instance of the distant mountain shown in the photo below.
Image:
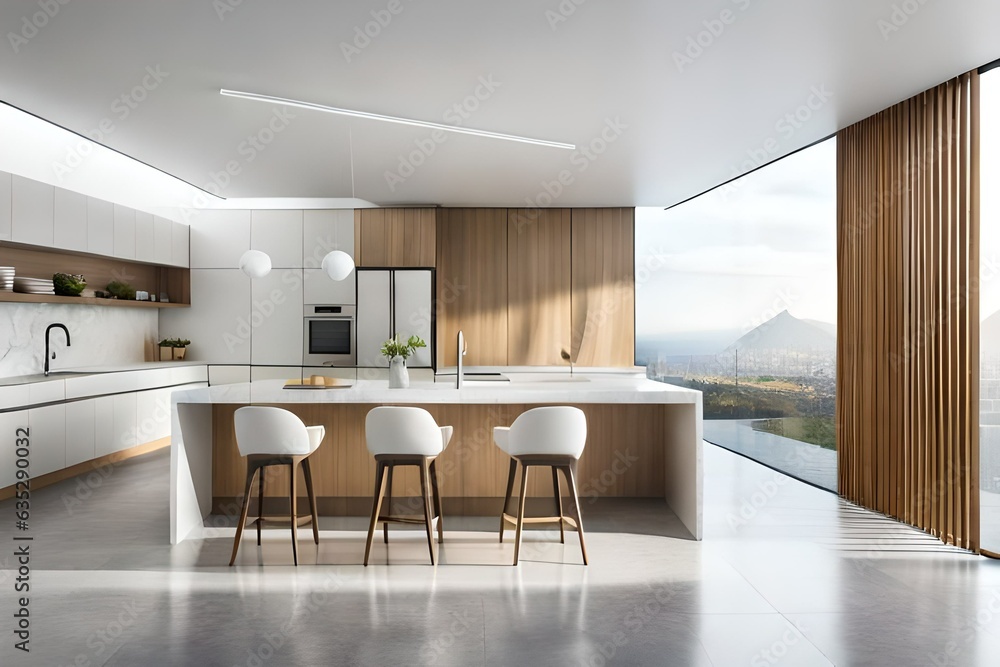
(825, 326)
(648, 348)
(785, 332)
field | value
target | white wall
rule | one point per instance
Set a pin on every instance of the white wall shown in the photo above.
(100, 335)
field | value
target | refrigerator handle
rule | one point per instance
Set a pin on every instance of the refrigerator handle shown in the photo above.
(392, 304)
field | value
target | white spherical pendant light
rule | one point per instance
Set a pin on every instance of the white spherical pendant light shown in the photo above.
(255, 263)
(338, 264)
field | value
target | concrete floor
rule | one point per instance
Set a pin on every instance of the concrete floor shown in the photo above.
(787, 575)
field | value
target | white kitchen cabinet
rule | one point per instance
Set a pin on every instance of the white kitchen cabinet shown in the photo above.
(81, 431)
(219, 320)
(276, 316)
(318, 288)
(70, 217)
(124, 232)
(125, 413)
(219, 239)
(9, 423)
(100, 227)
(258, 373)
(4, 206)
(324, 231)
(152, 415)
(162, 240)
(180, 247)
(279, 234)
(228, 375)
(145, 237)
(48, 439)
(104, 426)
(31, 212)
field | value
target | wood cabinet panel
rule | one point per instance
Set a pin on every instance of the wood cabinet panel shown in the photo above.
(603, 287)
(472, 285)
(624, 456)
(396, 237)
(538, 287)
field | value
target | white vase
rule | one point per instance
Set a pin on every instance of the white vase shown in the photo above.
(399, 377)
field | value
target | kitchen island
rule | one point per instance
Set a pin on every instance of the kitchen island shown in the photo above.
(644, 441)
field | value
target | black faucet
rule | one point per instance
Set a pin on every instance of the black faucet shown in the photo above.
(49, 328)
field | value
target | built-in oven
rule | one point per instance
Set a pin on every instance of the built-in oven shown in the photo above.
(330, 333)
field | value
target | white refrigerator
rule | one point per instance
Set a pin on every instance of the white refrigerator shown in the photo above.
(392, 301)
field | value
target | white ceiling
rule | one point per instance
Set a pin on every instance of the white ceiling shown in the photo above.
(685, 131)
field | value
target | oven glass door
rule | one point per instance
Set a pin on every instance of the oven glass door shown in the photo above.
(330, 336)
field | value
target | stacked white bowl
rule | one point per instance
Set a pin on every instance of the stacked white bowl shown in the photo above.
(33, 285)
(6, 278)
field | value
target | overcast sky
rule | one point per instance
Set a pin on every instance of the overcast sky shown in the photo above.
(734, 257)
(740, 254)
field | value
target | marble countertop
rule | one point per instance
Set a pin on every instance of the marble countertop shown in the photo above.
(64, 373)
(529, 388)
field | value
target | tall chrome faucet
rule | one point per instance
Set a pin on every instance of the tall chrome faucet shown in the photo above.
(461, 349)
(48, 329)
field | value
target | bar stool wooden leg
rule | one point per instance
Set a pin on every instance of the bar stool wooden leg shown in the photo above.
(388, 503)
(506, 499)
(251, 471)
(293, 472)
(570, 472)
(425, 490)
(307, 473)
(437, 501)
(260, 501)
(520, 511)
(376, 506)
(559, 505)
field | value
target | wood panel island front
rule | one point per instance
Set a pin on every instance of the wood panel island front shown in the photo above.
(644, 441)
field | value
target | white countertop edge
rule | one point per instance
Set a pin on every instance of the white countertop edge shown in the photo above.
(598, 391)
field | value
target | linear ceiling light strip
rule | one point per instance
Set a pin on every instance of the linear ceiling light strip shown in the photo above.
(395, 119)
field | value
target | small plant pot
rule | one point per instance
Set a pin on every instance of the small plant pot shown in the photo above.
(166, 353)
(399, 377)
(180, 352)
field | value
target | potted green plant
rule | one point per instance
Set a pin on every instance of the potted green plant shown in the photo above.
(68, 284)
(173, 348)
(397, 352)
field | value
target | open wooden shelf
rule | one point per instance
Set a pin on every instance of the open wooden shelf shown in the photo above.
(84, 301)
(98, 271)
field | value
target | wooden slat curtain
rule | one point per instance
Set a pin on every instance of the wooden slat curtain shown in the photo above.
(908, 311)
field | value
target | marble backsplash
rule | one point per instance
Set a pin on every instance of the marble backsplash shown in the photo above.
(100, 335)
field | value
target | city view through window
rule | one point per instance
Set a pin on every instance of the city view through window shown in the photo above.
(736, 297)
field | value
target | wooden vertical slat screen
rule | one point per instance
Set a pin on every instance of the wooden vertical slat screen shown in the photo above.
(908, 311)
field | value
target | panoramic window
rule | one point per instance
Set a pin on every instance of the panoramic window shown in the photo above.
(989, 312)
(736, 295)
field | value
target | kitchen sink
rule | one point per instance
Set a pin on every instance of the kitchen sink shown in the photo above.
(485, 377)
(554, 378)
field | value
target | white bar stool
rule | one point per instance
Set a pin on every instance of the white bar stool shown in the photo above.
(553, 437)
(402, 436)
(272, 436)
